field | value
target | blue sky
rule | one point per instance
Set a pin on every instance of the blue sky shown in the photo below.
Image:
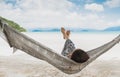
(97, 14)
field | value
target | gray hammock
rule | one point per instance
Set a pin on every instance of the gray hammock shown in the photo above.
(20, 41)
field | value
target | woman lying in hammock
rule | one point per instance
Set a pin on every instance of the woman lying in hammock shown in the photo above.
(70, 51)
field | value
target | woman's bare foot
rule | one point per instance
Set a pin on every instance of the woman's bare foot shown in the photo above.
(68, 34)
(63, 32)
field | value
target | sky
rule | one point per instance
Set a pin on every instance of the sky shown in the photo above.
(96, 14)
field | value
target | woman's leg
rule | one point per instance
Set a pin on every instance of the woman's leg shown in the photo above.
(69, 45)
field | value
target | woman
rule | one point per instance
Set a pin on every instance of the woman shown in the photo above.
(70, 51)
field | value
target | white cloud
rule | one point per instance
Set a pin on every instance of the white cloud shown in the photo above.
(116, 23)
(94, 7)
(112, 3)
(41, 12)
(51, 13)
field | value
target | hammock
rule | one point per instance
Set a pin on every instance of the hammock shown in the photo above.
(20, 41)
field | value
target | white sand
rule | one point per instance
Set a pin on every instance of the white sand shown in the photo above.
(22, 65)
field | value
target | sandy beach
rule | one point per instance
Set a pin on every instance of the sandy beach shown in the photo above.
(21, 64)
(16, 66)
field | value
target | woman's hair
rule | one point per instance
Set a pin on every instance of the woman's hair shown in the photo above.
(79, 56)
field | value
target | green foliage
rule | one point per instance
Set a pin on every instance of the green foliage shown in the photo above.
(14, 25)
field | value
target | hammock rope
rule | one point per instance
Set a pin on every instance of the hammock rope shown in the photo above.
(20, 41)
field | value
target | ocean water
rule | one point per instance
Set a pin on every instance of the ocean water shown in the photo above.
(55, 41)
